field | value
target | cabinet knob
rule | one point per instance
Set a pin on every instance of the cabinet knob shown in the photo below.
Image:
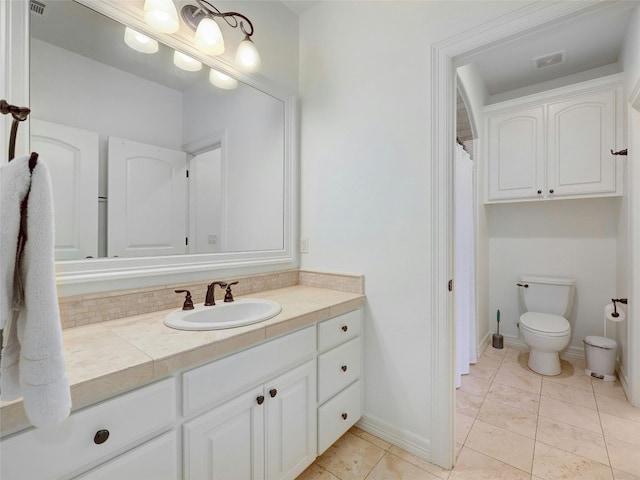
(344, 416)
(539, 192)
(100, 437)
(343, 368)
(273, 392)
(551, 191)
(345, 328)
(260, 399)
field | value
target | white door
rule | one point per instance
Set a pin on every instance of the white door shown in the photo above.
(227, 443)
(291, 422)
(515, 154)
(581, 134)
(71, 154)
(147, 200)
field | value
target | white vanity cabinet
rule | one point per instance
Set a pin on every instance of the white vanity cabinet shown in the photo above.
(98, 433)
(339, 376)
(555, 144)
(263, 424)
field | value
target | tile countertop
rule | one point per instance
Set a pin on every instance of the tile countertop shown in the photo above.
(109, 358)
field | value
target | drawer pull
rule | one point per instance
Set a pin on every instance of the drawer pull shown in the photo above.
(273, 392)
(345, 328)
(343, 368)
(344, 416)
(260, 399)
(101, 437)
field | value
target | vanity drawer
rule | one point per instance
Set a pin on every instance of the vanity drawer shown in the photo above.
(222, 378)
(338, 415)
(337, 368)
(54, 452)
(337, 330)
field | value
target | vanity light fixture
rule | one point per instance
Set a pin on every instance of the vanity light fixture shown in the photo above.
(161, 15)
(139, 42)
(201, 19)
(222, 80)
(185, 62)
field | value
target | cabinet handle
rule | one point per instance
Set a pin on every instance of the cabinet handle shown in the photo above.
(345, 328)
(344, 416)
(260, 399)
(539, 192)
(343, 368)
(273, 392)
(101, 437)
(551, 191)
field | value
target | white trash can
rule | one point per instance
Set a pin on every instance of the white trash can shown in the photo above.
(600, 355)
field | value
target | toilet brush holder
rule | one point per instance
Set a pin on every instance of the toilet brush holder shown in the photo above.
(498, 339)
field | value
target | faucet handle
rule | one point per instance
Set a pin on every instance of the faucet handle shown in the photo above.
(188, 303)
(228, 296)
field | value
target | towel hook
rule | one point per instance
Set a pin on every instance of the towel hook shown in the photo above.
(19, 114)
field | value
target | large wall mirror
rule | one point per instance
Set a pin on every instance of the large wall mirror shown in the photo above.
(153, 166)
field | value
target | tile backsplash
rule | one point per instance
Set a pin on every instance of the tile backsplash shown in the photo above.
(95, 308)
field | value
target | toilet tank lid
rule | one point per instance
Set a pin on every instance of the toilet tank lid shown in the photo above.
(547, 280)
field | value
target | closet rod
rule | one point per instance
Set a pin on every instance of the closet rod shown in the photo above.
(19, 114)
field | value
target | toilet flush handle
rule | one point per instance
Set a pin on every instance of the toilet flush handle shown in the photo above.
(523, 285)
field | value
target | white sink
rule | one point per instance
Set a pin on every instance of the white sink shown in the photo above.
(240, 312)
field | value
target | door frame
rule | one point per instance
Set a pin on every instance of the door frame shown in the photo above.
(445, 56)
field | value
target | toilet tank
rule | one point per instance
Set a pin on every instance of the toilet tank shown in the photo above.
(547, 294)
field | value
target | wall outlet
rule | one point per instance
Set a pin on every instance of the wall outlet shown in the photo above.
(304, 245)
(212, 239)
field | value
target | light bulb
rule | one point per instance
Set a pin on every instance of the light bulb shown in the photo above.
(185, 62)
(161, 15)
(139, 42)
(209, 37)
(222, 80)
(247, 56)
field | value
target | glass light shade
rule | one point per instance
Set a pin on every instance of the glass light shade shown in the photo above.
(209, 37)
(222, 80)
(247, 56)
(139, 42)
(161, 15)
(185, 62)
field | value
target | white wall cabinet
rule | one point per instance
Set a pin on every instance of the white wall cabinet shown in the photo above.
(555, 144)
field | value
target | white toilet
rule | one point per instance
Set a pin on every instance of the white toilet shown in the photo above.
(544, 327)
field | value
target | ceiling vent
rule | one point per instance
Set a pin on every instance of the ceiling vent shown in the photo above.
(550, 59)
(37, 7)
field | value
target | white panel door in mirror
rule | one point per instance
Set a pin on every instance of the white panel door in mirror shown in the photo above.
(147, 200)
(72, 157)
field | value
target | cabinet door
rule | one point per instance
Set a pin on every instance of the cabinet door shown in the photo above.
(154, 460)
(581, 134)
(515, 153)
(227, 443)
(291, 422)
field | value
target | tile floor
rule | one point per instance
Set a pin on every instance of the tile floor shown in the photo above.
(511, 423)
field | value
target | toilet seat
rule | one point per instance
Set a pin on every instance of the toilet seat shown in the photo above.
(545, 323)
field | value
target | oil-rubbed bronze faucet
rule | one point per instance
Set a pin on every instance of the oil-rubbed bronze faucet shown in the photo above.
(209, 299)
(228, 297)
(188, 303)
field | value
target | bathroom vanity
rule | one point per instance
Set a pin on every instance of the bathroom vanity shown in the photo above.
(261, 409)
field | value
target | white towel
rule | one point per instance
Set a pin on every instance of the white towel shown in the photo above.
(32, 363)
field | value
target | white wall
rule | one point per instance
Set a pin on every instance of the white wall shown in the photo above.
(365, 88)
(565, 238)
(627, 245)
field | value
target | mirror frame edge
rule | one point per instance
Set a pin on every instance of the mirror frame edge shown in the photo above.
(97, 275)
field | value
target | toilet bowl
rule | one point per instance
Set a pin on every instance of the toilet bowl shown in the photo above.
(546, 335)
(544, 326)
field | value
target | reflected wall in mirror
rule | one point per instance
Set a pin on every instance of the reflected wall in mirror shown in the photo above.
(120, 129)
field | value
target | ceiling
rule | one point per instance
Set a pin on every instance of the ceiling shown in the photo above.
(591, 40)
(299, 6)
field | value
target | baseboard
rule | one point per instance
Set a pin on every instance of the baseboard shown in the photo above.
(408, 441)
(484, 343)
(624, 379)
